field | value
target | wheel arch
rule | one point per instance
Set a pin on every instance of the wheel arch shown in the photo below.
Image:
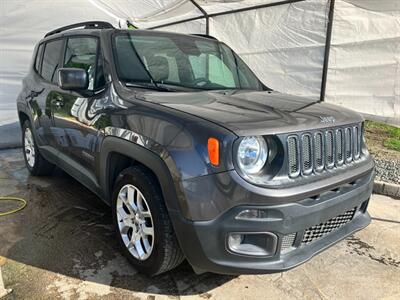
(23, 114)
(23, 117)
(112, 155)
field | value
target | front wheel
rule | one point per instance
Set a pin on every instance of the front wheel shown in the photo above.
(143, 228)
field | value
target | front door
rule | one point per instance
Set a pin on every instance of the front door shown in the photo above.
(74, 127)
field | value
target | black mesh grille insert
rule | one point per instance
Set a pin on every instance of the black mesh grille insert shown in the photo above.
(293, 156)
(319, 152)
(306, 152)
(330, 155)
(357, 142)
(316, 232)
(339, 147)
(287, 242)
(348, 144)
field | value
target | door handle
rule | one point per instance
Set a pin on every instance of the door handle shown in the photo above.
(58, 102)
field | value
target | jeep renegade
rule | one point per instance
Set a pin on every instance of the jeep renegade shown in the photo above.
(197, 158)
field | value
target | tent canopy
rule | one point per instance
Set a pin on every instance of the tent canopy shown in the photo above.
(151, 13)
(282, 41)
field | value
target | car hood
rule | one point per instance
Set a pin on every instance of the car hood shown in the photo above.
(257, 113)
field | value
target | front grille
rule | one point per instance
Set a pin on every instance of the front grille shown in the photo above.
(316, 232)
(323, 149)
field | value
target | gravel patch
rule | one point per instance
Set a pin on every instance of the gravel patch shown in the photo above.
(387, 170)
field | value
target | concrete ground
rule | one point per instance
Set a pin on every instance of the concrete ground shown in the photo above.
(61, 246)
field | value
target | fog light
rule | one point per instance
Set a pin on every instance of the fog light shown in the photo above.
(253, 243)
(234, 240)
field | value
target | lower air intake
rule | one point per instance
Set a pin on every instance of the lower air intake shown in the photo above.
(318, 231)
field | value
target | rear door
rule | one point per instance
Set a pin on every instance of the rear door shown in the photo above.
(46, 87)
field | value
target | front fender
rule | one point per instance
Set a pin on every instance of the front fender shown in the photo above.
(144, 156)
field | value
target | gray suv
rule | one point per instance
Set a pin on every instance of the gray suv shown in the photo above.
(197, 158)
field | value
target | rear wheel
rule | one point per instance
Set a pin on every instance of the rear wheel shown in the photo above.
(143, 228)
(35, 162)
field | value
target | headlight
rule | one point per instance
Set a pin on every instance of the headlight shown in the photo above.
(252, 154)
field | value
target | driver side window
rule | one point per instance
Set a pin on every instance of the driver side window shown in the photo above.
(81, 52)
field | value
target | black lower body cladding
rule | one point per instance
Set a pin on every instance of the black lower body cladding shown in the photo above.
(291, 233)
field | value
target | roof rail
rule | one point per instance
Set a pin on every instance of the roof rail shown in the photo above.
(205, 36)
(85, 25)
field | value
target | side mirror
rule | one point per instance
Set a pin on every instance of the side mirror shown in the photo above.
(73, 79)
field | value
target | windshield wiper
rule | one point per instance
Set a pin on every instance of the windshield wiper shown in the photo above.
(144, 85)
(154, 84)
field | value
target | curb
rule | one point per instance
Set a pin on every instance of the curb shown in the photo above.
(387, 189)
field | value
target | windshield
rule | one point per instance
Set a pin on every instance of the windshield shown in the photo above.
(181, 61)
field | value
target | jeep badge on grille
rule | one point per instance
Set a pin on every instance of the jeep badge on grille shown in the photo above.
(327, 119)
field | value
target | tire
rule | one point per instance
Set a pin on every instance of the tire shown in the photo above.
(160, 252)
(36, 163)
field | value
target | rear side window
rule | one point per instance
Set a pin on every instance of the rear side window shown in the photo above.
(81, 52)
(51, 60)
(38, 57)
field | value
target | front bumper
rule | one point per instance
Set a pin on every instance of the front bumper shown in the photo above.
(205, 242)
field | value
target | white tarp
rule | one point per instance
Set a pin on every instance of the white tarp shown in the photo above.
(283, 44)
(364, 65)
(22, 25)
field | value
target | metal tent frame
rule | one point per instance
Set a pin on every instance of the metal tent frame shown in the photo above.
(207, 17)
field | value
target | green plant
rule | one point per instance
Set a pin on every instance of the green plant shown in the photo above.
(390, 134)
(392, 143)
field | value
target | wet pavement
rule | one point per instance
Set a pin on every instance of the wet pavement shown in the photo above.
(61, 246)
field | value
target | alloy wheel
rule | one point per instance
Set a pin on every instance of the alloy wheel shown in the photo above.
(29, 147)
(135, 222)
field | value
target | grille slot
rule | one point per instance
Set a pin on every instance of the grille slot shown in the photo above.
(319, 152)
(330, 152)
(306, 154)
(293, 156)
(318, 231)
(356, 142)
(339, 147)
(316, 151)
(348, 145)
